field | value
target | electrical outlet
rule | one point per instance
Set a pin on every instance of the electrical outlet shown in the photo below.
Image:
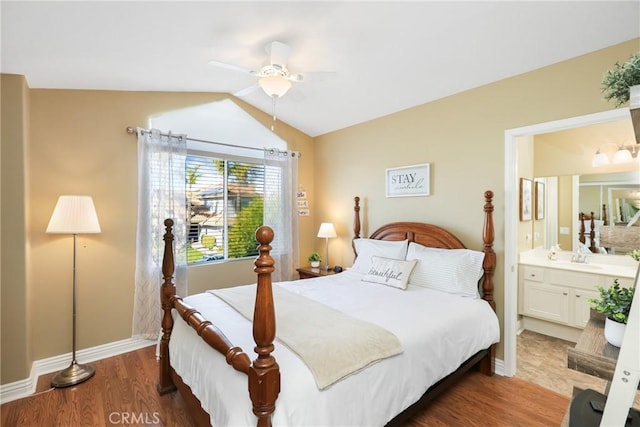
(564, 230)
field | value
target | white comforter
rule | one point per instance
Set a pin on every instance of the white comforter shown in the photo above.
(438, 331)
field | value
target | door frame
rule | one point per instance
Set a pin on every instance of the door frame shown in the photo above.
(510, 314)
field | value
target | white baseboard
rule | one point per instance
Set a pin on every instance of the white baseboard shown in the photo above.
(26, 387)
(499, 367)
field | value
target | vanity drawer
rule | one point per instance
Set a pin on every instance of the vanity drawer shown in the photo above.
(535, 274)
(574, 278)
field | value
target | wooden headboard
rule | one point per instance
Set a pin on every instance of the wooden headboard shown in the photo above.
(437, 237)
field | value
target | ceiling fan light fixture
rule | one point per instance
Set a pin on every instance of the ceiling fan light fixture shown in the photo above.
(274, 86)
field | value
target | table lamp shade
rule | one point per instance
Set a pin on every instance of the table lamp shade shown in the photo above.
(327, 230)
(74, 215)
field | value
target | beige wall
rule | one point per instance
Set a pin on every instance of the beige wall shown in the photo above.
(462, 136)
(570, 152)
(565, 211)
(15, 358)
(78, 145)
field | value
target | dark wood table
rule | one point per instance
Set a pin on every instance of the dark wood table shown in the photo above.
(309, 272)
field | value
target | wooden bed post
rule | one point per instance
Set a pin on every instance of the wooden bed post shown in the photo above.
(581, 231)
(487, 364)
(592, 234)
(356, 219)
(264, 375)
(167, 292)
(489, 263)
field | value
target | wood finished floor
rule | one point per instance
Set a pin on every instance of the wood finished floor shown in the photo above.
(542, 360)
(124, 386)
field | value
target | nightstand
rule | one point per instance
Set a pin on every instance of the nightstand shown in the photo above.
(308, 272)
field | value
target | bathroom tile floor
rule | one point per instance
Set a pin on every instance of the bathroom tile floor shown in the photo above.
(542, 360)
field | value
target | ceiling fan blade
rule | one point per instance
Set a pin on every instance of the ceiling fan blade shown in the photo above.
(230, 67)
(246, 90)
(318, 76)
(279, 53)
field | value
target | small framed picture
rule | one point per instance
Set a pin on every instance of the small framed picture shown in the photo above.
(526, 199)
(539, 200)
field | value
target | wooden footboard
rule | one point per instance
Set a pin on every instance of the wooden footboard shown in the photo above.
(264, 373)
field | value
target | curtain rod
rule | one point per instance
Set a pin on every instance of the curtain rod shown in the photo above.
(133, 131)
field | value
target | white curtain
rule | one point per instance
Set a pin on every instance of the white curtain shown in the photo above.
(161, 195)
(280, 213)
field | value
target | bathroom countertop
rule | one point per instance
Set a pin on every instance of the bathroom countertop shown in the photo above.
(608, 265)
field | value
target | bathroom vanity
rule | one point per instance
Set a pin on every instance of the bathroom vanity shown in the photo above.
(553, 295)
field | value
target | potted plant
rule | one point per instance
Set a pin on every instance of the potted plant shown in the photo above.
(315, 259)
(635, 254)
(615, 304)
(617, 82)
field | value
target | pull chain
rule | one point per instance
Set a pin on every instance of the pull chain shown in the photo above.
(273, 112)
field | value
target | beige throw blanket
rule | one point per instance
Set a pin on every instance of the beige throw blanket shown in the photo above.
(331, 343)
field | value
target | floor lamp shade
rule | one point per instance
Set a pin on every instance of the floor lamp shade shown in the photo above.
(74, 215)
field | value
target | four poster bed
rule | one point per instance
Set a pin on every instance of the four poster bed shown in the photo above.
(419, 332)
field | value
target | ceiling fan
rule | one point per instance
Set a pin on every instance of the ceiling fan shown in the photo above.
(274, 78)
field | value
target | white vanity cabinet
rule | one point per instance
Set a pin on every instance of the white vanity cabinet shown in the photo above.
(555, 301)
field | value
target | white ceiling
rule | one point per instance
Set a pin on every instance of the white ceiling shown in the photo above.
(386, 56)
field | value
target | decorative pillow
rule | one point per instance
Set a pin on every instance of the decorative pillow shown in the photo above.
(456, 271)
(390, 272)
(367, 248)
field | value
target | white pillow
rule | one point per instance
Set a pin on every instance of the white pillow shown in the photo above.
(390, 272)
(456, 271)
(367, 248)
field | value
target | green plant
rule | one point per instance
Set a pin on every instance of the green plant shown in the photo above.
(208, 241)
(617, 81)
(635, 254)
(314, 257)
(614, 302)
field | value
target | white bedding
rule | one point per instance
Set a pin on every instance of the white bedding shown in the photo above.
(438, 331)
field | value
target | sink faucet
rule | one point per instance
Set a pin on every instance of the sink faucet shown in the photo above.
(579, 258)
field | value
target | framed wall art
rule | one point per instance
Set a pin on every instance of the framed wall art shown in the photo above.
(526, 199)
(539, 200)
(408, 181)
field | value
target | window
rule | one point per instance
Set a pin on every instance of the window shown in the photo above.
(225, 205)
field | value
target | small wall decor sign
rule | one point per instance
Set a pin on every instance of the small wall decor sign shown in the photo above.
(408, 181)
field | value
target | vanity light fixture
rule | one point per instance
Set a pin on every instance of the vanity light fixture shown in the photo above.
(599, 159)
(624, 154)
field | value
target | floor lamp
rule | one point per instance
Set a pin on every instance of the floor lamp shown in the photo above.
(74, 215)
(328, 231)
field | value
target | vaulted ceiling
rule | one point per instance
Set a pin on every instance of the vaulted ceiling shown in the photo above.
(383, 57)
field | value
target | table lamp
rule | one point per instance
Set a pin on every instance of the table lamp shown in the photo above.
(328, 231)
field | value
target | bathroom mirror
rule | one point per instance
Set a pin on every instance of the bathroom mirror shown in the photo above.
(613, 198)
